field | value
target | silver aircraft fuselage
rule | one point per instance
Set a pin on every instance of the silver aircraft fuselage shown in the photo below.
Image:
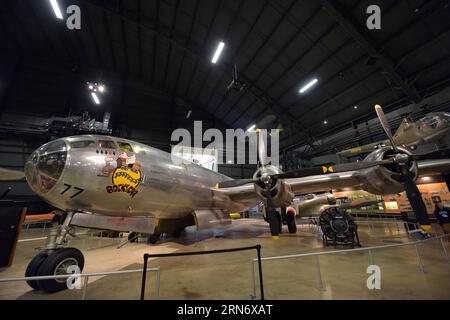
(118, 177)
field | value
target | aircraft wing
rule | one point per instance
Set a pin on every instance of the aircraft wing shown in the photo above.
(7, 174)
(246, 194)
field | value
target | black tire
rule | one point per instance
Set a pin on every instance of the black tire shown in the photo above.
(290, 220)
(48, 267)
(133, 237)
(33, 267)
(280, 224)
(153, 238)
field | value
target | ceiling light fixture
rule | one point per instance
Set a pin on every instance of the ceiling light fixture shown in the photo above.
(308, 85)
(355, 107)
(325, 122)
(94, 96)
(218, 52)
(56, 9)
(253, 126)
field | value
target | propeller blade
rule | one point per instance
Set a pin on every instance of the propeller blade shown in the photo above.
(385, 125)
(416, 201)
(304, 172)
(261, 147)
(437, 154)
(235, 183)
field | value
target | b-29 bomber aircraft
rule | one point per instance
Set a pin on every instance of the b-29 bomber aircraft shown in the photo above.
(117, 184)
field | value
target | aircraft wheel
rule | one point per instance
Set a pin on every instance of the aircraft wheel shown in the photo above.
(132, 237)
(33, 267)
(57, 263)
(290, 219)
(279, 222)
(153, 238)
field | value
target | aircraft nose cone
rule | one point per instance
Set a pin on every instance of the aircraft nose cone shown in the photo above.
(45, 166)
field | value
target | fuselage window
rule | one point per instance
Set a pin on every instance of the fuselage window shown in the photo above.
(82, 144)
(106, 144)
(126, 147)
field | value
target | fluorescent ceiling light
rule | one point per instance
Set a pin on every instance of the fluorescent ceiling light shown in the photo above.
(308, 85)
(56, 9)
(188, 114)
(251, 127)
(94, 96)
(218, 52)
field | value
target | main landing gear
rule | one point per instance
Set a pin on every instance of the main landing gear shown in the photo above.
(288, 218)
(55, 260)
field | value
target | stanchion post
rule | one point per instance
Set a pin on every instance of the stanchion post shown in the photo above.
(418, 259)
(86, 279)
(144, 277)
(261, 284)
(370, 257)
(158, 283)
(321, 286)
(444, 249)
(253, 279)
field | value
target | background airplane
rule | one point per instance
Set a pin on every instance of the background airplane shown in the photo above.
(410, 134)
(312, 205)
(116, 184)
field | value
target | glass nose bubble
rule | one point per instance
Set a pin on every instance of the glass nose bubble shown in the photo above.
(45, 166)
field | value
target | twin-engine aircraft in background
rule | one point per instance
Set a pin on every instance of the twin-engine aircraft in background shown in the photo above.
(117, 184)
(409, 134)
(312, 205)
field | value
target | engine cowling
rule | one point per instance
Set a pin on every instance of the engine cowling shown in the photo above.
(386, 179)
(281, 192)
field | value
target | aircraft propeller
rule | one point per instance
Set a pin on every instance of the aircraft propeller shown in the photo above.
(411, 189)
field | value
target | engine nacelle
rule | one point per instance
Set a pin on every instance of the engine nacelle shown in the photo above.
(282, 195)
(385, 179)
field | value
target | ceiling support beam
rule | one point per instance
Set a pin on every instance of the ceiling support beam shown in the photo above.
(337, 13)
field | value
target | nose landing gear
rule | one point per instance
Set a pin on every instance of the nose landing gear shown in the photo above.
(55, 260)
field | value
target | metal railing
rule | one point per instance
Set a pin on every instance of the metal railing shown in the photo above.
(86, 276)
(178, 254)
(311, 224)
(368, 249)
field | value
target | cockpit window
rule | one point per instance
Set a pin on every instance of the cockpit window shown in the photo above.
(52, 164)
(309, 197)
(83, 144)
(431, 121)
(106, 144)
(52, 147)
(125, 147)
